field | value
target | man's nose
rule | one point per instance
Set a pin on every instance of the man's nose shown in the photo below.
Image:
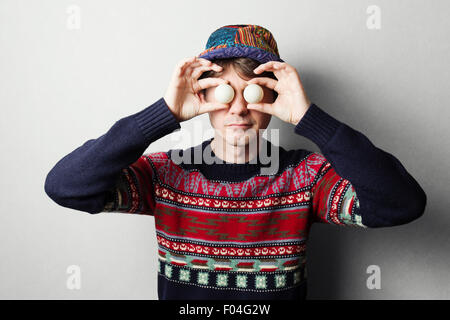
(238, 105)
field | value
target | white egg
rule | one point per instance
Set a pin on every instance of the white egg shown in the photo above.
(224, 93)
(253, 93)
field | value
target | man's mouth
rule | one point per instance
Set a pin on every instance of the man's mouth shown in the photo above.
(240, 125)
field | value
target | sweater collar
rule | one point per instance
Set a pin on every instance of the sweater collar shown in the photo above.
(218, 169)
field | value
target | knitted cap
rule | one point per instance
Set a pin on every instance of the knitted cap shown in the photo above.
(241, 40)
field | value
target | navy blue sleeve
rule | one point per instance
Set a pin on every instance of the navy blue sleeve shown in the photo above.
(82, 179)
(388, 195)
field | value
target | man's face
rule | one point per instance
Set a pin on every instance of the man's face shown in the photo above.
(225, 121)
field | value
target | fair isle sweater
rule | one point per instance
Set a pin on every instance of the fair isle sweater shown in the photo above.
(226, 231)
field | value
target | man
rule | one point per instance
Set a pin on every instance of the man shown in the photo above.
(225, 229)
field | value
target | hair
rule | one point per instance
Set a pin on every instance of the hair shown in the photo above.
(244, 67)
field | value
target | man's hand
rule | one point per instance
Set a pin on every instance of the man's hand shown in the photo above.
(292, 102)
(182, 94)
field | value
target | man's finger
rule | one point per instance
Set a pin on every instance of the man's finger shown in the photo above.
(262, 107)
(209, 82)
(198, 71)
(267, 82)
(268, 66)
(208, 107)
(191, 62)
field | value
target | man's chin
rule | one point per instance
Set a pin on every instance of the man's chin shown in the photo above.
(240, 137)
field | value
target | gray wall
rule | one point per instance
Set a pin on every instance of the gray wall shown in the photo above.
(61, 86)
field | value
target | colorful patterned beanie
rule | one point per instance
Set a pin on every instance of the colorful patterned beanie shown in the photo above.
(241, 40)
